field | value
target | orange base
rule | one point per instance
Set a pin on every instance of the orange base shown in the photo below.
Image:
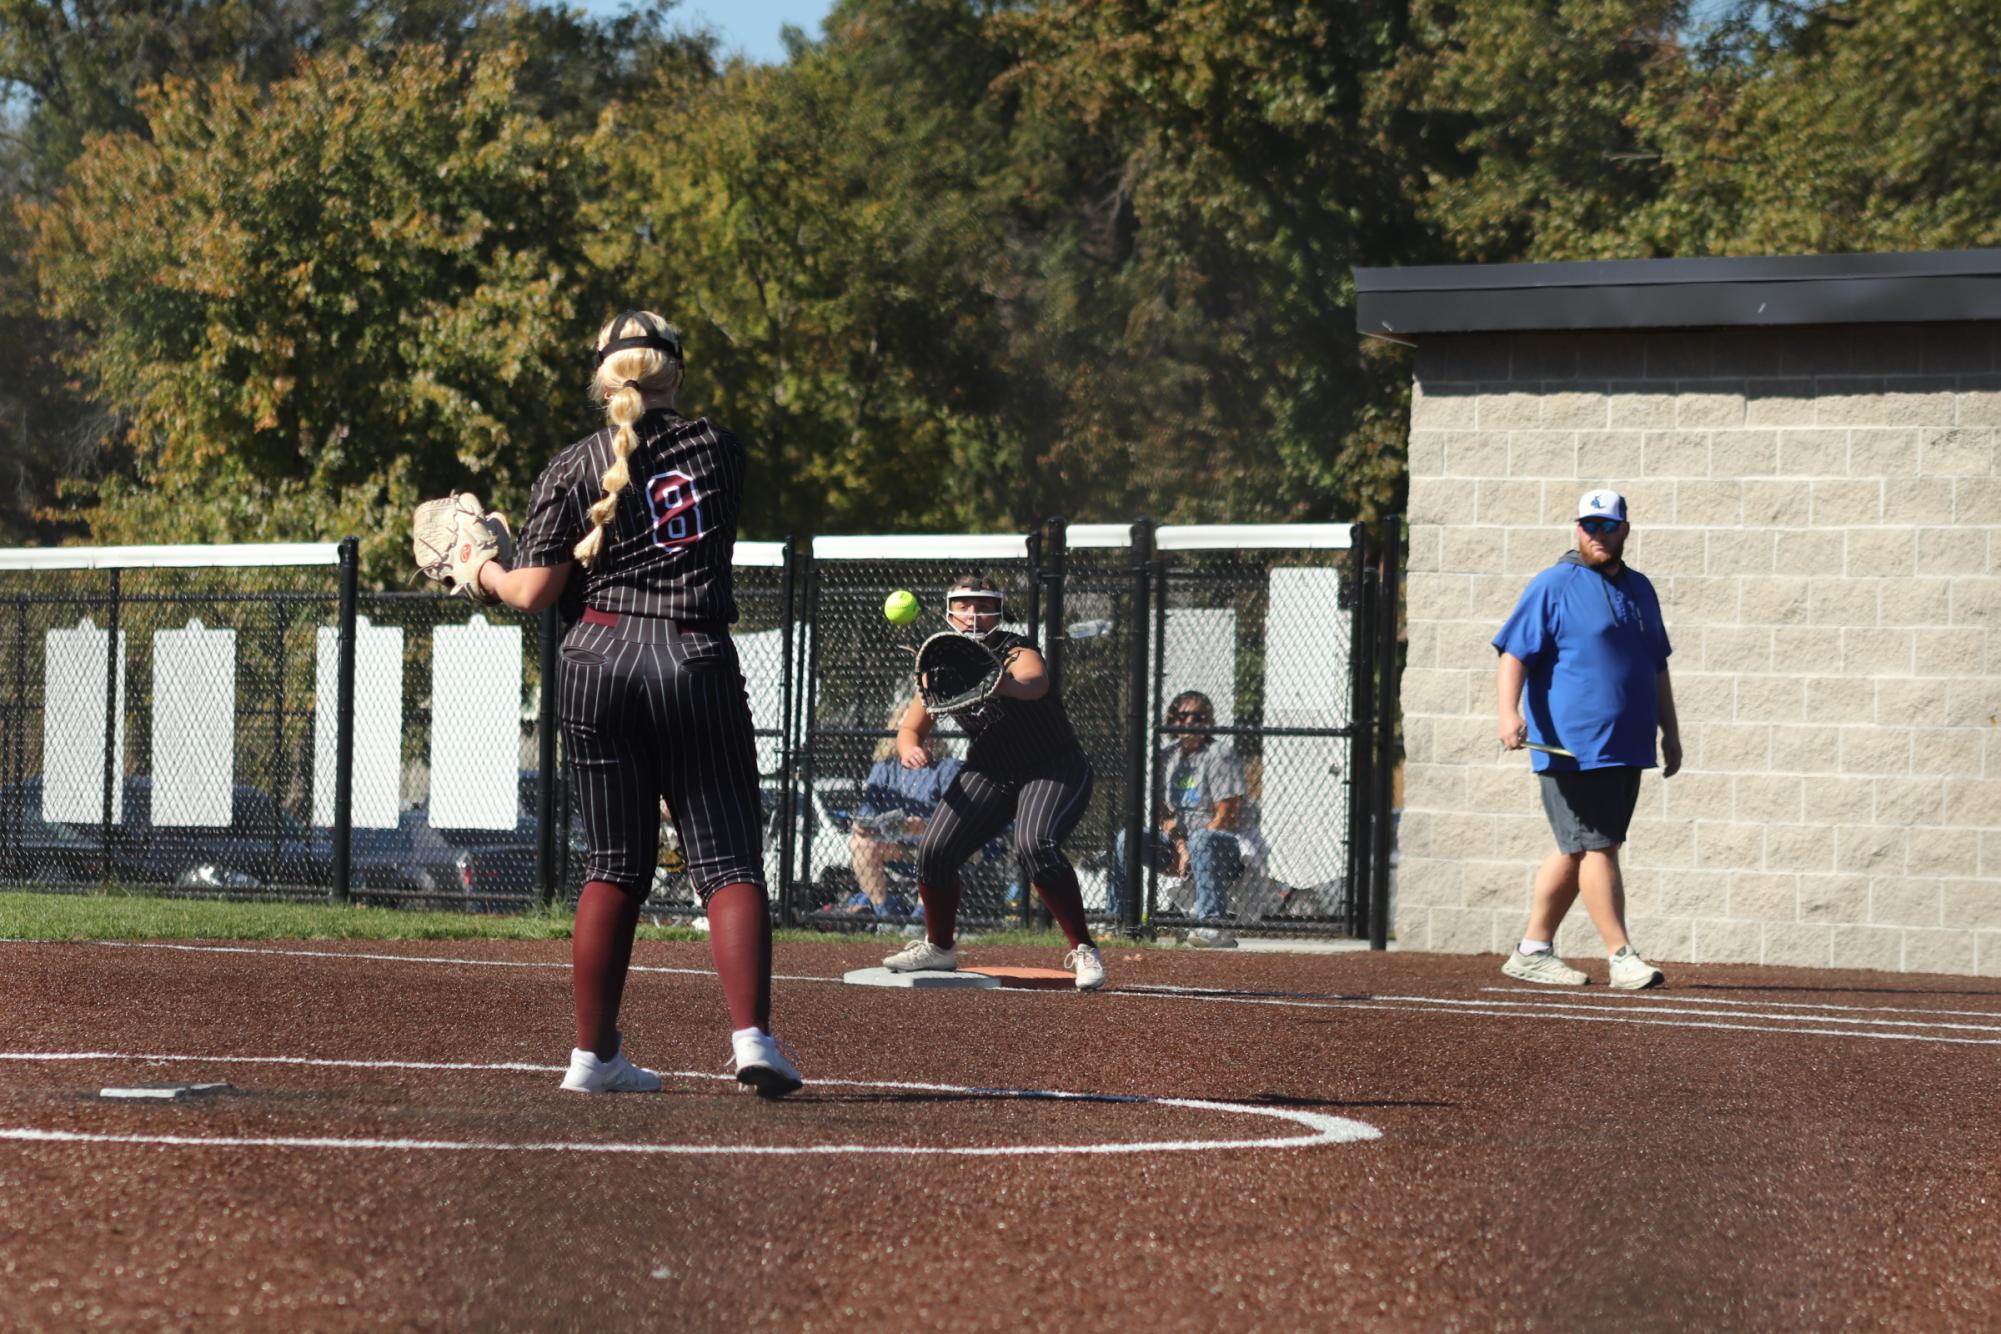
(1031, 978)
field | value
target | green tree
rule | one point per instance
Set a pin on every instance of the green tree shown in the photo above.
(1580, 129)
(311, 306)
(821, 239)
(73, 70)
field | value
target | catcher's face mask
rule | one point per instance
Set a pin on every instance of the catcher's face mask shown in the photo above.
(973, 612)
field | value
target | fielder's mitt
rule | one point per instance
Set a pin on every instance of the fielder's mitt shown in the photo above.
(957, 677)
(453, 537)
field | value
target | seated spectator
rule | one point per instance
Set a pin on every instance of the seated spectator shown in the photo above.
(1195, 838)
(897, 803)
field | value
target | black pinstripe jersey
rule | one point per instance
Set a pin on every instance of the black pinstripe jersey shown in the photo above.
(1021, 734)
(667, 549)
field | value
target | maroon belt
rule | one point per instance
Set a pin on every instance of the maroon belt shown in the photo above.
(593, 616)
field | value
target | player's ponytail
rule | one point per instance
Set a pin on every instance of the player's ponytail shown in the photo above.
(638, 366)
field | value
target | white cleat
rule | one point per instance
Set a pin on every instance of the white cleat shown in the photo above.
(1544, 967)
(588, 1074)
(1088, 964)
(921, 956)
(1632, 973)
(762, 1067)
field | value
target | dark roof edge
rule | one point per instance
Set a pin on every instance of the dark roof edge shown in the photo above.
(1921, 287)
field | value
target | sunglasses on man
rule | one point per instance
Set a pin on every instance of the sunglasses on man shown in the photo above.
(1599, 527)
(1192, 715)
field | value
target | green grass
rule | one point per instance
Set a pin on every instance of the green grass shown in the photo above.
(126, 915)
(117, 914)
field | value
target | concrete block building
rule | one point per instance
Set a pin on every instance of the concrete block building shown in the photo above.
(1809, 448)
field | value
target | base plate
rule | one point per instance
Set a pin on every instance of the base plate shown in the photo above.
(882, 977)
(163, 1092)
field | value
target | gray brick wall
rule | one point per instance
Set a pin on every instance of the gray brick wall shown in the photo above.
(1820, 510)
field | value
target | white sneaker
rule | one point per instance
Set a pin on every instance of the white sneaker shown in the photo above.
(1543, 966)
(921, 956)
(761, 1066)
(588, 1074)
(1632, 973)
(1210, 938)
(1088, 964)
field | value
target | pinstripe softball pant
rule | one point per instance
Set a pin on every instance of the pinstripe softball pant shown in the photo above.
(656, 708)
(1045, 805)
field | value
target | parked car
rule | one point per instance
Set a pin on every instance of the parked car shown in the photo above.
(263, 846)
(408, 860)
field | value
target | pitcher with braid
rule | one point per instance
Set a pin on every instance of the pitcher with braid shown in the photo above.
(640, 517)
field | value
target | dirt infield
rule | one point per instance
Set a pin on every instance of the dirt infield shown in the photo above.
(1269, 1141)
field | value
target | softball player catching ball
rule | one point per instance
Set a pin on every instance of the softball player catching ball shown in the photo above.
(652, 698)
(1024, 764)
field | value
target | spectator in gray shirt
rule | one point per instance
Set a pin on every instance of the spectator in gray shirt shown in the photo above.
(1194, 838)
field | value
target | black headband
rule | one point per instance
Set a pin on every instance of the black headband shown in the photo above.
(665, 342)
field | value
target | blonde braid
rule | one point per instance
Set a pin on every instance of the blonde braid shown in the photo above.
(624, 408)
(630, 381)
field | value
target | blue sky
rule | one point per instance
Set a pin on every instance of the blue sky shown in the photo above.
(750, 26)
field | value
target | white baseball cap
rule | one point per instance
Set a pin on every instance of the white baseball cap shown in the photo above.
(1603, 504)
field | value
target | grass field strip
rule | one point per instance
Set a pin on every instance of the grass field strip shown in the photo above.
(1320, 1129)
(1561, 1008)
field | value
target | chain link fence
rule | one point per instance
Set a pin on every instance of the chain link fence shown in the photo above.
(860, 811)
(159, 720)
(173, 720)
(1253, 729)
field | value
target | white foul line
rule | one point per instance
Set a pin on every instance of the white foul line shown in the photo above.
(1664, 1005)
(1477, 1010)
(1321, 1129)
(1657, 997)
(1570, 1008)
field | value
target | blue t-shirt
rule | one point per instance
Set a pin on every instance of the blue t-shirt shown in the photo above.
(891, 787)
(1595, 648)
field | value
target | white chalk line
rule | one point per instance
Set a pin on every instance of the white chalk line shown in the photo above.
(1677, 998)
(1559, 1008)
(1321, 1129)
(1559, 1002)
(1581, 1016)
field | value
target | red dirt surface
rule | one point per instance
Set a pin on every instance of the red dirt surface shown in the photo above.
(1732, 1152)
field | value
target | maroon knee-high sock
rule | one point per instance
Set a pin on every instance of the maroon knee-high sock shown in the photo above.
(600, 952)
(1065, 901)
(740, 943)
(941, 911)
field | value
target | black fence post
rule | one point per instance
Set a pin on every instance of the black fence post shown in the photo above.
(280, 621)
(111, 774)
(808, 705)
(17, 757)
(546, 725)
(788, 834)
(343, 811)
(1361, 736)
(19, 735)
(1386, 729)
(1139, 727)
(1055, 545)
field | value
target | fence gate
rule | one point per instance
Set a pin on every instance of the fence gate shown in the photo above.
(1254, 632)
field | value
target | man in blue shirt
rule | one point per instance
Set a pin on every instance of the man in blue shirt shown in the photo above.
(1587, 642)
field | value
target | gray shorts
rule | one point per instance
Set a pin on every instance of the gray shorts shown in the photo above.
(1590, 808)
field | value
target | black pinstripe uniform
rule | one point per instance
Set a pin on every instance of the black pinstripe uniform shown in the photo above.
(652, 697)
(1025, 765)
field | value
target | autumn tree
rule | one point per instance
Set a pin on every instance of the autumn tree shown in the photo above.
(312, 306)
